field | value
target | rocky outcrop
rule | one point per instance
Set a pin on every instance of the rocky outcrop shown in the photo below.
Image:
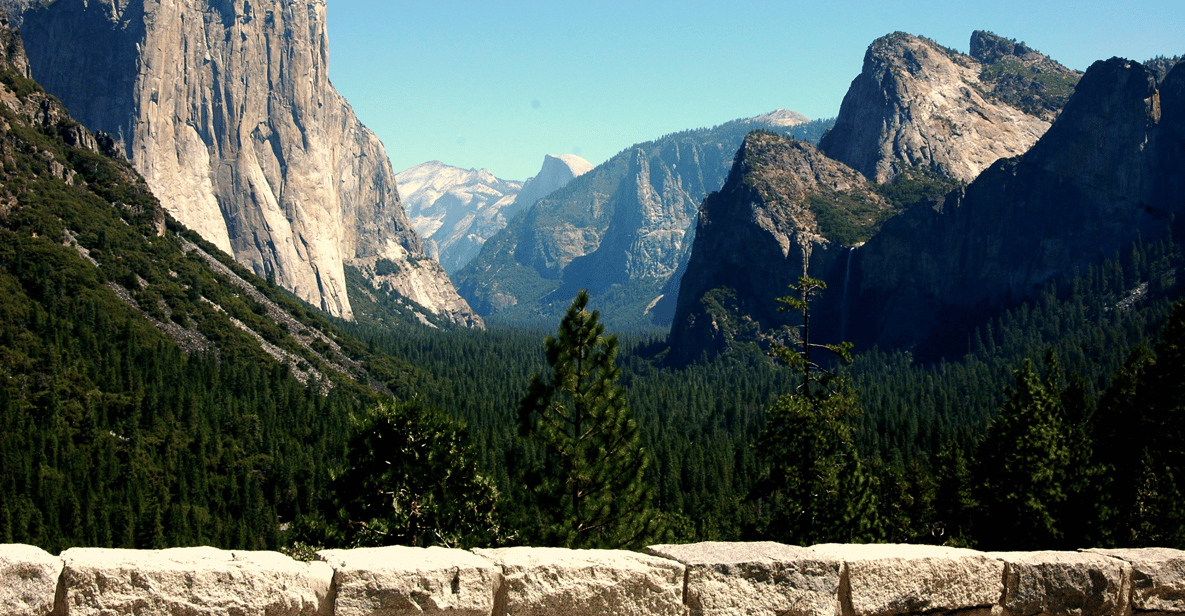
(917, 104)
(226, 109)
(626, 225)
(702, 579)
(1107, 172)
(1012, 73)
(758, 234)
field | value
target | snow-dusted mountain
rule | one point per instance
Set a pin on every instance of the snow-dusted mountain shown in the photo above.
(455, 210)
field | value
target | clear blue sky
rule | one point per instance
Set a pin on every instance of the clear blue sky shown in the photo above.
(498, 85)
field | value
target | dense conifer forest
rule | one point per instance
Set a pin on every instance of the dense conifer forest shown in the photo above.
(919, 428)
(153, 393)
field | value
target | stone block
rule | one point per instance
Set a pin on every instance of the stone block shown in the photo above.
(399, 580)
(757, 579)
(193, 582)
(1056, 583)
(548, 581)
(28, 580)
(889, 579)
(1158, 578)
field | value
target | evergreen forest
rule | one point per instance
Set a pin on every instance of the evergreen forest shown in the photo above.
(154, 393)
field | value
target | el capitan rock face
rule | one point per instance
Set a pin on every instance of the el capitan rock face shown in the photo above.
(227, 111)
(916, 103)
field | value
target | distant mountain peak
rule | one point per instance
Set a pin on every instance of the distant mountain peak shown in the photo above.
(454, 209)
(782, 118)
(556, 172)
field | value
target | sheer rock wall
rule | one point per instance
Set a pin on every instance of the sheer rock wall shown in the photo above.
(225, 107)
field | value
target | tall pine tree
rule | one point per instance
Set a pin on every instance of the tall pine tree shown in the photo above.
(814, 486)
(591, 490)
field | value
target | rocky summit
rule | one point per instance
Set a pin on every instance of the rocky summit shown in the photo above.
(455, 210)
(791, 209)
(226, 109)
(918, 104)
(1108, 172)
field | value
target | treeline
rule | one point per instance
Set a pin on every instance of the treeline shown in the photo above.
(112, 435)
(917, 421)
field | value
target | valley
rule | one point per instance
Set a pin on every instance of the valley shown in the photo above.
(227, 321)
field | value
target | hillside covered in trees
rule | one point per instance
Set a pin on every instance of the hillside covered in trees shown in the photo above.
(153, 393)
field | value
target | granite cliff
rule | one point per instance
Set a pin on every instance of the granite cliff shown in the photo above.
(623, 230)
(792, 210)
(1108, 172)
(226, 109)
(916, 103)
(555, 174)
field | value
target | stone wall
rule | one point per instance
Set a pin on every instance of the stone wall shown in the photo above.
(697, 579)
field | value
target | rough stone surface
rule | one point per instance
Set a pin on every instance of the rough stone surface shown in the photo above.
(887, 579)
(193, 581)
(1158, 578)
(755, 237)
(398, 580)
(555, 174)
(758, 579)
(225, 107)
(28, 580)
(916, 103)
(547, 581)
(1051, 583)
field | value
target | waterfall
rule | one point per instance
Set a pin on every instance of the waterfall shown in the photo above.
(843, 306)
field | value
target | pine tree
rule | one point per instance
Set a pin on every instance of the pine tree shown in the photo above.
(814, 485)
(591, 492)
(1022, 467)
(413, 479)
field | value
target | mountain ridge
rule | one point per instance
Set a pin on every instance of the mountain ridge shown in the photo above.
(227, 110)
(623, 231)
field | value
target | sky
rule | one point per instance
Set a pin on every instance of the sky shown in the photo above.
(498, 85)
